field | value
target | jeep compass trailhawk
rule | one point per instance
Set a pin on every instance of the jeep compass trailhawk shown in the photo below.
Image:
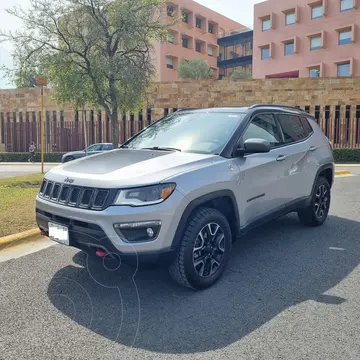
(181, 190)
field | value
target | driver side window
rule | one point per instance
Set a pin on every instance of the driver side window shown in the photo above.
(263, 126)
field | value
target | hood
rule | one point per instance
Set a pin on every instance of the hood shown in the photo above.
(128, 168)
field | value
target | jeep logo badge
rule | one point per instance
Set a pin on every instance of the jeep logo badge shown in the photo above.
(68, 180)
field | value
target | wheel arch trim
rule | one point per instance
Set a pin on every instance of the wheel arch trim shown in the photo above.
(198, 202)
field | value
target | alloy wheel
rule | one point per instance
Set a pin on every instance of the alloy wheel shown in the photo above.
(209, 250)
(321, 204)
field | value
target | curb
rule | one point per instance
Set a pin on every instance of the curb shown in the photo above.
(25, 236)
(342, 172)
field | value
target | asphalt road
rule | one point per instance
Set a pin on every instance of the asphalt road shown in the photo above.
(21, 169)
(291, 292)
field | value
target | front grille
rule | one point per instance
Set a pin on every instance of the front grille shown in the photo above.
(100, 199)
(48, 190)
(86, 197)
(64, 194)
(55, 192)
(75, 196)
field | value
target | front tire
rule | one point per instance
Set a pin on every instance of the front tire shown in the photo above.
(204, 251)
(316, 213)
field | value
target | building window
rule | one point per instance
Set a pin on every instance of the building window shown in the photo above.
(346, 5)
(211, 28)
(266, 24)
(314, 72)
(289, 47)
(198, 23)
(169, 62)
(185, 17)
(265, 53)
(345, 37)
(290, 17)
(210, 51)
(185, 43)
(198, 46)
(315, 42)
(343, 69)
(317, 11)
(170, 10)
(171, 37)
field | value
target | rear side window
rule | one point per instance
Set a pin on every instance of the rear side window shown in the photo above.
(292, 128)
(307, 127)
(107, 147)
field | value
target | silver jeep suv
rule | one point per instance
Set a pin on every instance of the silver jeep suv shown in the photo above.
(184, 188)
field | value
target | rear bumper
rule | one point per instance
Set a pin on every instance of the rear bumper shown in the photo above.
(91, 237)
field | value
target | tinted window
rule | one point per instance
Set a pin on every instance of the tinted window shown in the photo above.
(292, 128)
(107, 147)
(265, 127)
(201, 132)
(95, 147)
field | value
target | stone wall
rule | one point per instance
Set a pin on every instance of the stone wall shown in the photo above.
(295, 92)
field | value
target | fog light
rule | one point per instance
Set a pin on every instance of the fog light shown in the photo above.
(150, 232)
(138, 231)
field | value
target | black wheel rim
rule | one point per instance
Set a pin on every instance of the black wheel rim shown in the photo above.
(321, 205)
(209, 250)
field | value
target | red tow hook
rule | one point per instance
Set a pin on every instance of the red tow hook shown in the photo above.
(101, 253)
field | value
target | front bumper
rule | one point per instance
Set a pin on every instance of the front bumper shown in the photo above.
(95, 229)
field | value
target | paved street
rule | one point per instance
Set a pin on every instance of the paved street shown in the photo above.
(21, 169)
(291, 293)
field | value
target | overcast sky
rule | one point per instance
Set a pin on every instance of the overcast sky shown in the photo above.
(238, 10)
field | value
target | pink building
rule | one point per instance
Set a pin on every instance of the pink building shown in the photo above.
(195, 36)
(306, 38)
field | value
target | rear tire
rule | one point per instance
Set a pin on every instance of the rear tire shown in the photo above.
(317, 211)
(69, 158)
(204, 251)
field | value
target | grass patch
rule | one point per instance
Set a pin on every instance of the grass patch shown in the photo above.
(18, 195)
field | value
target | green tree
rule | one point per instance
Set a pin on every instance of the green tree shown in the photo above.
(92, 51)
(240, 75)
(194, 69)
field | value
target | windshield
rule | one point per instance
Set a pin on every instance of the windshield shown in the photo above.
(198, 132)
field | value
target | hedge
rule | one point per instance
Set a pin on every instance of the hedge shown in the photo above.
(343, 156)
(340, 155)
(23, 157)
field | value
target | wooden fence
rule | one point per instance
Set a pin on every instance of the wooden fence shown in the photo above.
(60, 135)
(18, 130)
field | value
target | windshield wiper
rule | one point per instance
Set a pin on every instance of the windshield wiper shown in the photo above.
(162, 148)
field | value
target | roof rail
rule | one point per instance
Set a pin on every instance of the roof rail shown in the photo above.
(186, 109)
(278, 106)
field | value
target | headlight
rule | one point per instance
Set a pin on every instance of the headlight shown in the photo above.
(148, 195)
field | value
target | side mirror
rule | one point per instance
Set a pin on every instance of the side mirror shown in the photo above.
(254, 146)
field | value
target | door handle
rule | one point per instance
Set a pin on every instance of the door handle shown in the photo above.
(313, 148)
(281, 158)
